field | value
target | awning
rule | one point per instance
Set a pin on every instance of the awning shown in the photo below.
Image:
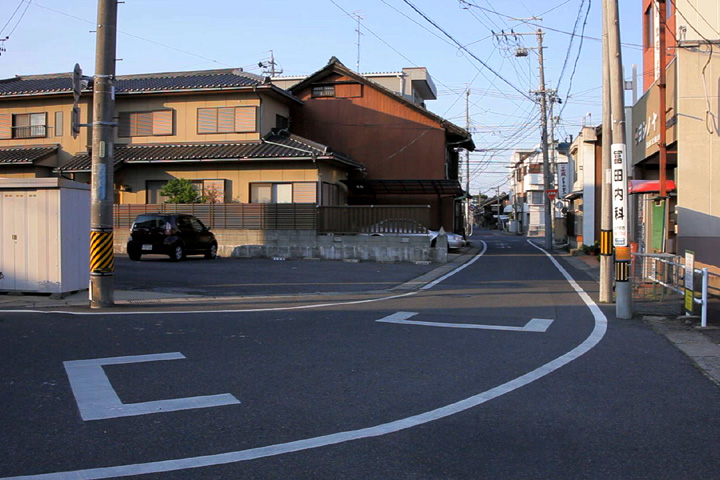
(404, 187)
(649, 186)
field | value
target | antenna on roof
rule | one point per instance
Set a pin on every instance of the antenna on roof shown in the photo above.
(269, 66)
(358, 16)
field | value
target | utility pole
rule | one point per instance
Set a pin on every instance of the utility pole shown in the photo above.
(468, 222)
(103, 138)
(606, 248)
(623, 307)
(546, 160)
(497, 199)
(662, 88)
(522, 52)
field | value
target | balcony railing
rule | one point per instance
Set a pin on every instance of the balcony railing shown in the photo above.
(33, 131)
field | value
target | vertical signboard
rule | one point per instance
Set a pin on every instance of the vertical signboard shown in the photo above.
(562, 179)
(619, 195)
(689, 281)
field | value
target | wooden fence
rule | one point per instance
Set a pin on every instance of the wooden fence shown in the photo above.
(291, 216)
(374, 219)
(238, 216)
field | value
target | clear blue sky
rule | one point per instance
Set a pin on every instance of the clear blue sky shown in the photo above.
(50, 36)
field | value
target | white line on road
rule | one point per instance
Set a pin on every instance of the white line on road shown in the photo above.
(590, 342)
(539, 325)
(97, 399)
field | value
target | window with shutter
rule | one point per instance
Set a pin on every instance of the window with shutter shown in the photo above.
(5, 126)
(146, 124)
(227, 120)
(305, 192)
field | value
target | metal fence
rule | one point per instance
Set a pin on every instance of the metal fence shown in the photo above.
(240, 216)
(658, 282)
(353, 219)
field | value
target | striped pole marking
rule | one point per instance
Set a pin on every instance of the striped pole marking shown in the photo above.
(606, 247)
(102, 261)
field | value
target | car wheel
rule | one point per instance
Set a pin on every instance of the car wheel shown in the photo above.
(211, 252)
(178, 253)
(134, 256)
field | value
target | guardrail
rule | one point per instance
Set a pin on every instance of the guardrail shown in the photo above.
(667, 270)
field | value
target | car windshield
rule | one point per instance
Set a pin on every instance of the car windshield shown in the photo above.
(150, 221)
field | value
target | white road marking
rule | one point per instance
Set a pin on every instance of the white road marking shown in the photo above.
(590, 342)
(539, 325)
(97, 399)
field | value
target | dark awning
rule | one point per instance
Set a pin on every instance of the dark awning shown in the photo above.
(649, 186)
(404, 187)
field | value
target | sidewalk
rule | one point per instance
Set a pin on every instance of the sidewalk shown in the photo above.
(702, 345)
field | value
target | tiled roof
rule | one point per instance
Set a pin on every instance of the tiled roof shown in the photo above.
(156, 82)
(25, 155)
(272, 147)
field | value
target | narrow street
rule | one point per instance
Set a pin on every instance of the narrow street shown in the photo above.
(504, 368)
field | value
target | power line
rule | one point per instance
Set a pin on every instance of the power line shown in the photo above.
(465, 49)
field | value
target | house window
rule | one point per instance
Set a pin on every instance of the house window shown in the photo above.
(227, 120)
(535, 198)
(58, 124)
(649, 27)
(281, 122)
(323, 91)
(29, 125)
(146, 124)
(299, 192)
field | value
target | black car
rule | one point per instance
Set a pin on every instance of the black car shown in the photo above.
(175, 235)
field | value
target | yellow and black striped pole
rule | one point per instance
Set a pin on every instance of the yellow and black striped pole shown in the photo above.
(606, 246)
(102, 260)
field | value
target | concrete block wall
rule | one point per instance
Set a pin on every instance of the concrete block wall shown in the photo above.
(308, 244)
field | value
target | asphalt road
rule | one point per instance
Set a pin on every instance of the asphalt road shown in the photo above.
(316, 388)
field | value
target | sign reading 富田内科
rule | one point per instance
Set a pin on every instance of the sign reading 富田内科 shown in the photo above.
(619, 195)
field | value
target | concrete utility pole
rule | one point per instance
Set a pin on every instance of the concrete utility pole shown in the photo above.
(522, 52)
(606, 249)
(103, 138)
(468, 222)
(662, 88)
(623, 307)
(546, 160)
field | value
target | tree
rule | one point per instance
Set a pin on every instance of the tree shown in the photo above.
(181, 190)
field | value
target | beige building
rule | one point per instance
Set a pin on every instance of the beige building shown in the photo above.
(689, 218)
(225, 130)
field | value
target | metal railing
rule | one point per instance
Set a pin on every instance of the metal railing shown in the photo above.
(660, 278)
(378, 219)
(32, 131)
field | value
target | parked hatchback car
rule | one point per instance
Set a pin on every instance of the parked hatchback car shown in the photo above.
(175, 235)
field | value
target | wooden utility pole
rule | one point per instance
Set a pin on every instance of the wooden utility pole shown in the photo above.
(103, 138)
(606, 247)
(623, 307)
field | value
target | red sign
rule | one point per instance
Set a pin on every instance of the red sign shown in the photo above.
(551, 193)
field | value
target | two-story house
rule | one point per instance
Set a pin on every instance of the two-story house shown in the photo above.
(380, 120)
(225, 130)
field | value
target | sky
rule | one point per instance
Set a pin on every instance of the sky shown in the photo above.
(454, 39)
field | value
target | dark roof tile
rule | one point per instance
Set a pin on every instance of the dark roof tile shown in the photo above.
(25, 155)
(274, 146)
